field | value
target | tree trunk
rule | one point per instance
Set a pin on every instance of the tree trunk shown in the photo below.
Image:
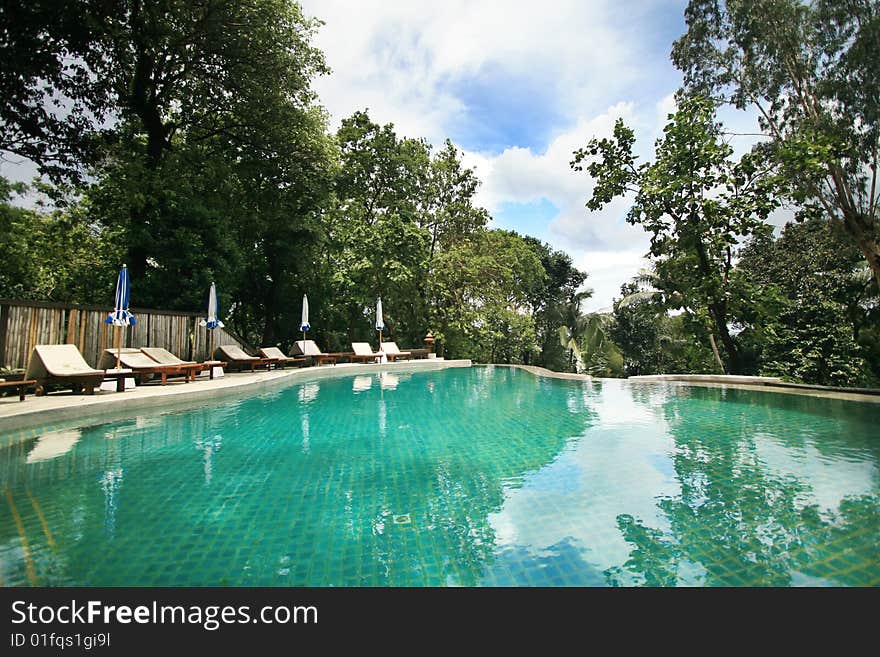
(867, 245)
(715, 352)
(719, 314)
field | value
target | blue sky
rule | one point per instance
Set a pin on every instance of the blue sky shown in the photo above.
(517, 86)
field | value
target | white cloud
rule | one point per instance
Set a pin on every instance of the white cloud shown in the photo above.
(400, 59)
(600, 242)
(589, 61)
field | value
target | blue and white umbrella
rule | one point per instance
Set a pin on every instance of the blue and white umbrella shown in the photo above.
(121, 317)
(211, 322)
(304, 322)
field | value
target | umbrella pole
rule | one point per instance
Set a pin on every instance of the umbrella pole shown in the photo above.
(118, 347)
(210, 345)
(380, 339)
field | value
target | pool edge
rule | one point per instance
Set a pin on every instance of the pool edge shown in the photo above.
(762, 384)
(62, 408)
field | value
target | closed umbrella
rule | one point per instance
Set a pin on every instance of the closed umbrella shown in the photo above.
(211, 322)
(380, 323)
(121, 317)
(304, 323)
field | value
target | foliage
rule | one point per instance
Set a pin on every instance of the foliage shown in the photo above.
(600, 356)
(479, 291)
(637, 330)
(556, 304)
(697, 204)
(810, 69)
(52, 257)
(815, 315)
(54, 97)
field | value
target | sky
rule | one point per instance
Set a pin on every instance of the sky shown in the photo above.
(517, 86)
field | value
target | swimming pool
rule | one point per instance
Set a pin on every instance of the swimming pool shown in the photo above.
(483, 476)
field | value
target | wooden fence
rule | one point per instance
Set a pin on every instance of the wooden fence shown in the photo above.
(24, 324)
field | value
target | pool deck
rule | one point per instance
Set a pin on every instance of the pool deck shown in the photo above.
(63, 407)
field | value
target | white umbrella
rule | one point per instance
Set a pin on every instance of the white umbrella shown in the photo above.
(380, 323)
(304, 323)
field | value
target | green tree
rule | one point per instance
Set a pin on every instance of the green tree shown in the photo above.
(556, 303)
(637, 329)
(810, 69)
(58, 256)
(210, 74)
(53, 83)
(695, 201)
(376, 246)
(812, 309)
(479, 292)
(599, 354)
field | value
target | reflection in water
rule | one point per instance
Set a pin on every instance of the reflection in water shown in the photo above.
(308, 392)
(111, 482)
(53, 444)
(361, 383)
(764, 504)
(483, 476)
(304, 427)
(383, 418)
(209, 446)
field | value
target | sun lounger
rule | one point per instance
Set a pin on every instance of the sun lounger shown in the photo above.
(237, 358)
(282, 360)
(143, 367)
(165, 357)
(364, 352)
(394, 352)
(62, 364)
(310, 349)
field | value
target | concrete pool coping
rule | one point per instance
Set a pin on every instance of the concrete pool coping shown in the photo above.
(761, 383)
(64, 407)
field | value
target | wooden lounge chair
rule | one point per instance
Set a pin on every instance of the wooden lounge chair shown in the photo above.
(144, 367)
(311, 350)
(394, 352)
(21, 385)
(282, 360)
(165, 357)
(364, 353)
(237, 359)
(64, 365)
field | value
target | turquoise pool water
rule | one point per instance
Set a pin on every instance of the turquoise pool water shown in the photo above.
(477, 476)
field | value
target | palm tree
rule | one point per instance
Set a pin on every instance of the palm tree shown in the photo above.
(650, 281)
(572, 328)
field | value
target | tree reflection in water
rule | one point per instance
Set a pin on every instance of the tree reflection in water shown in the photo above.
(747, 513)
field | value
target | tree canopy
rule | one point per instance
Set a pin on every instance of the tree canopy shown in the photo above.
(695, 201)
(810, 69)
